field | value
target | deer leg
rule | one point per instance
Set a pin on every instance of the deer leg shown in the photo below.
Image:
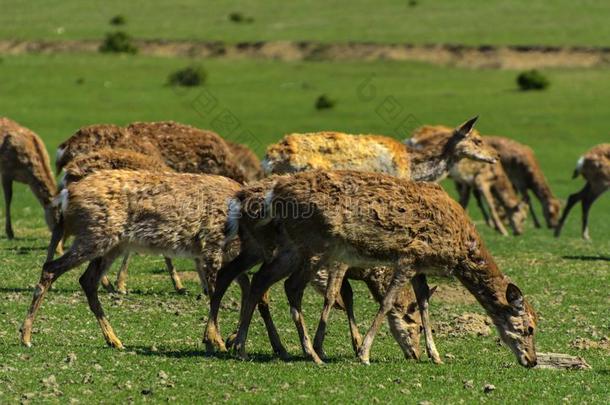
(335, 280)
(530, 204)
(268, 274)
(274, 337)
(7, 187)
(587, 201)
(347, 296)
(398, 282)
(294, 287)
(56, 237)
(50, 272)
(422, 293)
(481, 205)
(121, 277)
(211, 336)
(463, 191)
(495, 218)
(89, 281)
(572, 200)
(173, 273)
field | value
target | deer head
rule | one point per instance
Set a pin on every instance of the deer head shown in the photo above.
(551, 212)
(516, 323)
(465, 143)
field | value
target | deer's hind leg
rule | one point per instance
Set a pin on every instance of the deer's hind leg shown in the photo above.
(7, 187)
(51, 271)
(422, 293)
(335, 281)
(90, 281)
(402, 274)
(573, 199)
(587, 201)
(491, 203)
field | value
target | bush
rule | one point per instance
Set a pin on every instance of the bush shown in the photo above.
(238, 17)
(118, 20)
(189, 76)
(118, 42)
(324, 103)
(532, 80)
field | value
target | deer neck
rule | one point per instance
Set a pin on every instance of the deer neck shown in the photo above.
(44, 189)
(430, 165)
(481, 276)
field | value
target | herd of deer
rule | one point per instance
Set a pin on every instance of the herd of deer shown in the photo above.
(322, 207)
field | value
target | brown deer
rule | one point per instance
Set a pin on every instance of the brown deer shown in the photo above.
(594, 166)
(489, 182)
(113, 212)
(521, 166)
(358, 219)
(116, 159)
(24, 158)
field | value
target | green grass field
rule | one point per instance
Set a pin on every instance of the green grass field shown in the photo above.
(473, 22)
(565, 278)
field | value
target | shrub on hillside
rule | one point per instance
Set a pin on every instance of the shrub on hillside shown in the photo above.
(238, 17)
(324, 103)
(118, 20)
(189, 76)
(118, 42)
(532, 80)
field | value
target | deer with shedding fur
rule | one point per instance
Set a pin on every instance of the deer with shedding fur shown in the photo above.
(24, 158)
(116, 159)
(113, 212)
(357, 219)
(594, 166)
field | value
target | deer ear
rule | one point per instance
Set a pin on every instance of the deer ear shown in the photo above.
(465, 129)
(514, 296)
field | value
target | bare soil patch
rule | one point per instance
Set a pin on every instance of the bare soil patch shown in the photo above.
(587, 344)
(488, 57)
(465, 324)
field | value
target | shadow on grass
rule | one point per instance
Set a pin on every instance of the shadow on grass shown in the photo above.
(23, 250)
(255, 357)
(588, 258)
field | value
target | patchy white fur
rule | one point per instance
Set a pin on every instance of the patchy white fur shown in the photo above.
(61, 200)
(267, 165)
(579, 164)
(233, 216)
(60, 153)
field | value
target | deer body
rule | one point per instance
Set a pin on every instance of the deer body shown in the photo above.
(24, 158)
(594, 166)
(363, 220)
(117, 211)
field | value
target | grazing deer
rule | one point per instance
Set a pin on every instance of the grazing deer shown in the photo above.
(521, 166)
(24, 158)
(117, 211)
(489, 182)
(116, 159)
(358, 219)
(594, 166)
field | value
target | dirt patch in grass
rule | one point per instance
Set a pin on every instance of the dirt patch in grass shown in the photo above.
(465, 324)
(587, 344)
(490, 57)
(453, 293)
